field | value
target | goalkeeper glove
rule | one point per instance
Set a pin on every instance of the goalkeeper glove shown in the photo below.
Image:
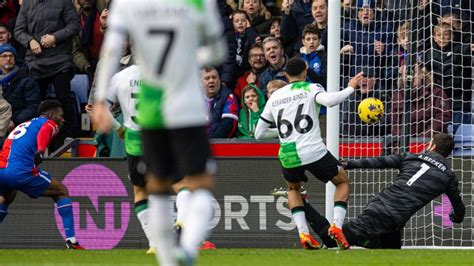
(38, 158)
(454, 218)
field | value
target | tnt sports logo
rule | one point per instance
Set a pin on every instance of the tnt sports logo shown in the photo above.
(101, 206)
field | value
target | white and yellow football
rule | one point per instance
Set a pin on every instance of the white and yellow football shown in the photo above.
(370, 110)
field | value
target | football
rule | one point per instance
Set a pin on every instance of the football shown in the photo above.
(370, 110)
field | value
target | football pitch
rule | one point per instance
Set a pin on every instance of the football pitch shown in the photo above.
(258, 257)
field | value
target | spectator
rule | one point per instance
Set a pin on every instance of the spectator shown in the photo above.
(7, 11)
(348, 11)
(276, 59)
(274, 85)
(365, 42)
(5, 116)
(6, 38)
(228, 69)
(222, 105)
(295, 15)
(319, 11)
(252, 102)
(275, 30)
(5, 34)
(402, 40)
(19, 89)
(425, 18)
(460, 27)
(450, 63)
(259, 15)
(88, 43)
(257, 63)
(313, 53)
(430, 109)
(244, 37)
(47, 28)
(397, 11)
(369, 86)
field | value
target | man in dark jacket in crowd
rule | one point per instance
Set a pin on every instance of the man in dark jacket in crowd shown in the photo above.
(222, 105)
(19, 89)
(47, 29)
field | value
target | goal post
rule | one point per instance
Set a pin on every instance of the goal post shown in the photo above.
(333, 73)
(417, 56)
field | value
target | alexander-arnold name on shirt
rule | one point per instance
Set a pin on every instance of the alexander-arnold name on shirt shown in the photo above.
(286, 100)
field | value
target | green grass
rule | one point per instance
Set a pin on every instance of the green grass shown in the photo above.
(259, 257)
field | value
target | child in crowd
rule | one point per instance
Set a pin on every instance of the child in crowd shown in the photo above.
(245, 36)
(253, 102)
(275, 28)
(274, 85)
(313, 53)
(402, 41)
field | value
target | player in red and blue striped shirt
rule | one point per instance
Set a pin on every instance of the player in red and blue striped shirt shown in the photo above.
(19, 159)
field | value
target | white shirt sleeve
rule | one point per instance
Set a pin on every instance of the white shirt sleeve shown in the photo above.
(263, 130)
(330, 99)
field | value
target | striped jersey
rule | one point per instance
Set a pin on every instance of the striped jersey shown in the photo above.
(25, 140)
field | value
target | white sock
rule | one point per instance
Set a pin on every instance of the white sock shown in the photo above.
(300, 219)
(161, 228)
(72, 239)
(201, 213)
(339, 215)
(182, 204)
(143, 218)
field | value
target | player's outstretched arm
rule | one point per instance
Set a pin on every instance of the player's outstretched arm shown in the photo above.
(459, 210)
(330, 99)
(391, 161)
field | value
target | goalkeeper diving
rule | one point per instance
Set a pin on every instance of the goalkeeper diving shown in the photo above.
(422, 178)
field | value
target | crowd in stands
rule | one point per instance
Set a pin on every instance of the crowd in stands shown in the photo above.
(416, 56)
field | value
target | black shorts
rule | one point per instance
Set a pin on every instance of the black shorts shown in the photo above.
(136, 170)
(174, 153)
(373, 230)
(323, 169)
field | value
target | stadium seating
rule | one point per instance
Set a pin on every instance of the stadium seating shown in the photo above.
(80, 88)
(464, 140)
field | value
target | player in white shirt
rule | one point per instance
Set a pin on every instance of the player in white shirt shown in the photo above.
(123, 90)
(295, 111)
(172, 39)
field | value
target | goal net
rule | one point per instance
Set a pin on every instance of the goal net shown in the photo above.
(417, 59)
